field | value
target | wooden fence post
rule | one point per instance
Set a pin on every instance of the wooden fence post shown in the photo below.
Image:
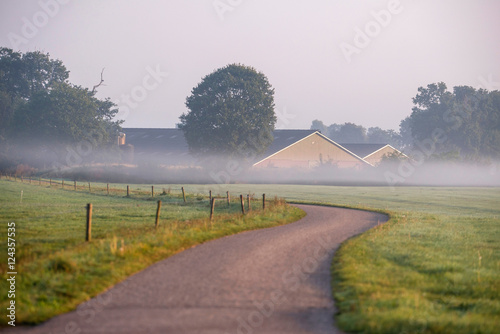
(210, 196)
(152, 191)
(90, 190)
(128, 191)
(158, 214)
(212, 208)
(242, 204)
(107, 188)
(263, 201)
(183, 194)
(248, 202)
(88, 236)
(228, 198)
(74, 184)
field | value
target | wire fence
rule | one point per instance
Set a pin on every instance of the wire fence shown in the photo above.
(107, 189)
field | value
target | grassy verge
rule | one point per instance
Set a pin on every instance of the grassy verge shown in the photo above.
(433, 268)
(421, 273)
(57, 269)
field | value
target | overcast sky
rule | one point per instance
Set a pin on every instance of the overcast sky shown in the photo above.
(338, 61)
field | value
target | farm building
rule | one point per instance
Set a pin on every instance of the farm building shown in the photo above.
(303, 149)
(307, 149)
(371, 153)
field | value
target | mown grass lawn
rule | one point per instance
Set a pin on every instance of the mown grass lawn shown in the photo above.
(57, 269)
(433, 268)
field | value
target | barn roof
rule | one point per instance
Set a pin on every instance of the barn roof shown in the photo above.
(172, 140)
(285, 138)
(159, 145)
(156, 139)
(172, 143)
(288, 141)
(363, 150)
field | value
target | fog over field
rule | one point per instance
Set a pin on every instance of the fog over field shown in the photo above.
(384, 71)
(229, 171)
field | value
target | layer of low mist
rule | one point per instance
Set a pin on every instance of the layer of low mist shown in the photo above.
(394, 174)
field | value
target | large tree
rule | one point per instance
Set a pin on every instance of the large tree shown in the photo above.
(44, 118)
(231, 114)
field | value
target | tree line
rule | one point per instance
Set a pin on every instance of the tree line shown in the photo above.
(357, 134)
(466, 119)
(46, 121)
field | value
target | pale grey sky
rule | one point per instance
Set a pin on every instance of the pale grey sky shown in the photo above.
(312, 52)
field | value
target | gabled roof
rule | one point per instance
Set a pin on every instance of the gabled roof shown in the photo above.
(363, 150)
(288, 140)
(285, 138)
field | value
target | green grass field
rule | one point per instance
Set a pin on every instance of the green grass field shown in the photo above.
(57, 269)
(433, 268)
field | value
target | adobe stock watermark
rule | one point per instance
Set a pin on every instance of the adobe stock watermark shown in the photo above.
(283, 118)
(427, 147)
(488, 83)
(88, 310)
(423, 150)
(292, 280)
(234, 167)
(32, 26)
(151, 81)
(76, 154)
(372, 29)
(225, 6)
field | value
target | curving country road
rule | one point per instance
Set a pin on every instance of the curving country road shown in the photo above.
(275, 280)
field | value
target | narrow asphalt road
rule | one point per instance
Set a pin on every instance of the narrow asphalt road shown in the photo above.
(274, 280)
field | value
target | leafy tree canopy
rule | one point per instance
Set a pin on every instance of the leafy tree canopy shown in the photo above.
(467, 119)
(41, 110)
(231, 114)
